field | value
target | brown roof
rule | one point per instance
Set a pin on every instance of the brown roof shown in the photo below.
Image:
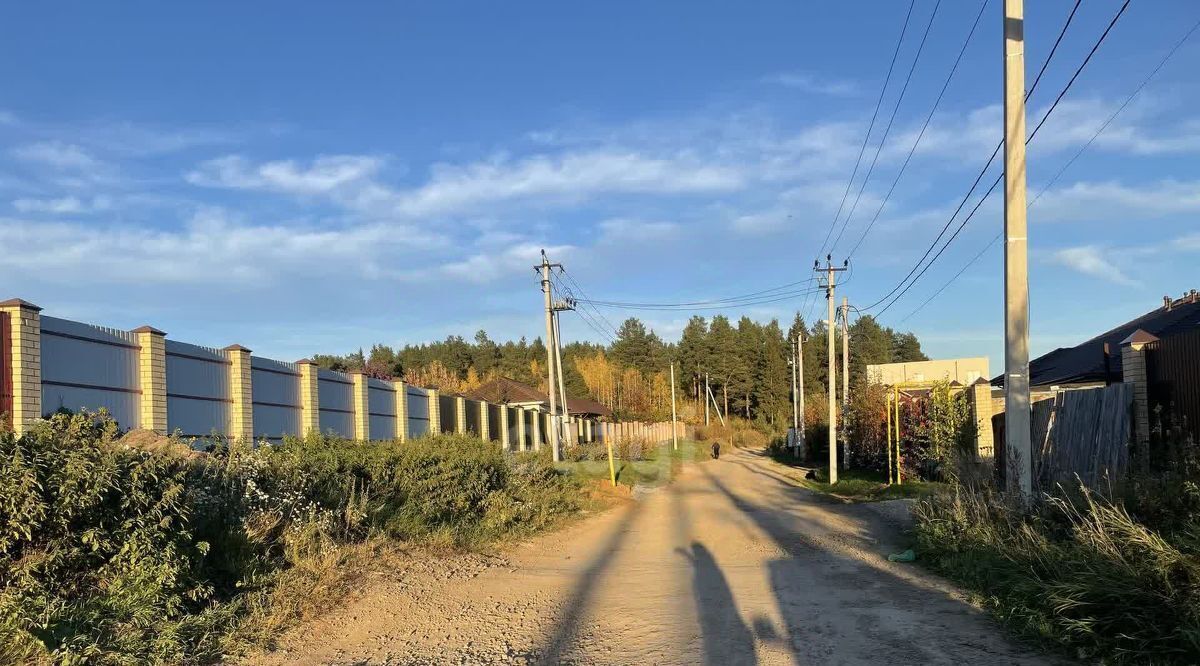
(504, 391)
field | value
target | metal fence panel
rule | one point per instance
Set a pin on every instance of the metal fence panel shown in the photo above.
(446, 412)
(473, 417)
(276, 397)
(89, 367)
(197, 390)
(418, 411)
(381, 405)
(1173, 378)
(336, 401)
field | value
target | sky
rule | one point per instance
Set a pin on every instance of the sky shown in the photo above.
(318, 177)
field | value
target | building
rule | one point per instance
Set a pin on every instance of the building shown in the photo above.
(510, 392)
(965, 371)
(1097, 361)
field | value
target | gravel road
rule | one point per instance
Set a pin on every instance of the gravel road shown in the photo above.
(730, 564)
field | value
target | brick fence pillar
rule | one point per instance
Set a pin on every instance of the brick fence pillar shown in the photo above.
(1133, 371)
(980, 394)
(435, 412)
(537, 430)
(152, 379)
(504, 439)
(485, 425)
(24, 354)
(360, 400)
(460, 415)
(241, 392)
(310, 398)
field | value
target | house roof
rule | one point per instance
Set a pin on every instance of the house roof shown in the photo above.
(1085, 362)
(504, 391)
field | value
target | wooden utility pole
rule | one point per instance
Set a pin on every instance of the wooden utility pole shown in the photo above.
(545, 268)
(674, 417)
(830, 331)
(1016, 260)
(845, 380)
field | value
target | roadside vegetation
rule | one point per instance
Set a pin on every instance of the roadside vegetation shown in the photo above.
(112, 554)
(1110, 576)
(637, 462)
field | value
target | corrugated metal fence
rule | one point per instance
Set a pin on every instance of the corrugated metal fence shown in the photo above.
(1173, 381)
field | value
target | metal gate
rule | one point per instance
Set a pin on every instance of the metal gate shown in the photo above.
(1173, 378)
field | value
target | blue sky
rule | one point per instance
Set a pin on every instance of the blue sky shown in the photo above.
(303, 177)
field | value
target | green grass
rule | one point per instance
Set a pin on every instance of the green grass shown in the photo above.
(658, 465)
(867, 486)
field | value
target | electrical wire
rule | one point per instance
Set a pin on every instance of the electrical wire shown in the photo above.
(924, 127)
(887, 130)
(991, 159)
(1066, 166)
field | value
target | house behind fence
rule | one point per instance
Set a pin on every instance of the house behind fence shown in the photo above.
(147, 381)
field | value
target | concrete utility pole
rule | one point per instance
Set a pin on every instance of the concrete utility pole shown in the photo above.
(795, 400)
(706, 394)
(800, 442)
(545, 268)
(1016, 261)
(674, 418)
(830, 331)
(845, 379)
(562, 392)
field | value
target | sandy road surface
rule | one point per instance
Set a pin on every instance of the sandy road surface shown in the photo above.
(731, 564)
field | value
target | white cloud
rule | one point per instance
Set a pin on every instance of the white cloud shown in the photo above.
(1112, 200)
(324, 175)
(626, 230)
(56, 154)
(70, 205)
(811, 84)
(1093, 261)
(491, 263)
(212, 248)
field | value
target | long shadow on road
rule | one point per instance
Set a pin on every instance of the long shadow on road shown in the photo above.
(727, 640)
(566, 629)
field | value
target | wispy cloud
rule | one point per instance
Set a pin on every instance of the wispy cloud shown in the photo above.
(323, 175)
(1093, 261)
(56, 154)
(63, 206)
(627, 230)
(810, 83)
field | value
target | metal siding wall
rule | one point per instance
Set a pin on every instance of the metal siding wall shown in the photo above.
(381, 403)
(1173, 375)
(336, 400)
(276, 397)
(418, 412)
(104, 375)
(188, 375)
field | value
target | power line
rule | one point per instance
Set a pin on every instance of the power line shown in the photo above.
(883, 141)
(773, 298)
(870, 127)
(991, 189)
(751, 296)
(1052, 181)
(924, 127)
(995, 152)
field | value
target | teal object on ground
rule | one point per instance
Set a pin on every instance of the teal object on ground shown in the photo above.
(906, 556)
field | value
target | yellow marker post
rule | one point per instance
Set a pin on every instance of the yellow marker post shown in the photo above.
(897, 422)
(889, 439)
(612, 468)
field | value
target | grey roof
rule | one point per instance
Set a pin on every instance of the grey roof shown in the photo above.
(1085, 363)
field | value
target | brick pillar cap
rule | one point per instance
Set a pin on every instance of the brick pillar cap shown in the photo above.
(305, 361)
(19, 303)
(148, 329)
(237, 348)
(1139, 337)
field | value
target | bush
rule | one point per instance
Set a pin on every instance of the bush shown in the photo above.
(110, 554)
(1079, 570)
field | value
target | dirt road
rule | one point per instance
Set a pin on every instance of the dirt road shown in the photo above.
(731, 564)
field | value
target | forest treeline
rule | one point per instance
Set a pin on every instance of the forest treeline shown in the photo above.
(747, 364)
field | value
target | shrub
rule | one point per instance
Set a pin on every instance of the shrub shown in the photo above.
(1079, 570)
(111, 554)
